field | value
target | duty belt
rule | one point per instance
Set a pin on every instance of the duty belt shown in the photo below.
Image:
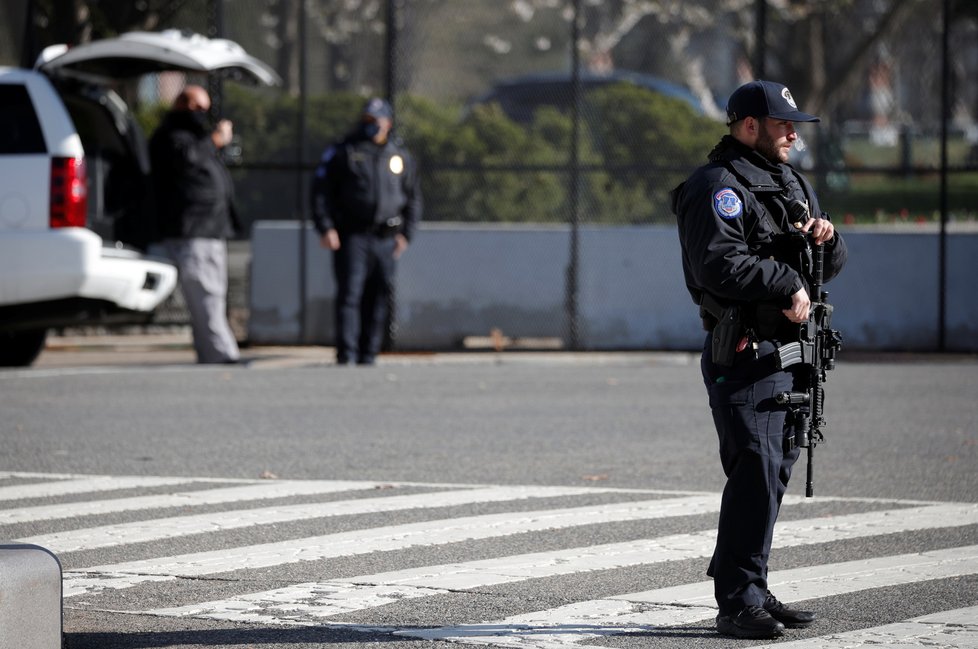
(388, 228)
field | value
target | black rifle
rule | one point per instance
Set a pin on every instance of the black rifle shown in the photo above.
(815, 348)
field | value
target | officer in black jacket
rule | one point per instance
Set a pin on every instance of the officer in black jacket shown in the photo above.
(366, 204)
(730, 213)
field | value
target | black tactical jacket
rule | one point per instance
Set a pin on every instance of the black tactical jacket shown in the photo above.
(729, 212)
(192, 187)
(361, 186)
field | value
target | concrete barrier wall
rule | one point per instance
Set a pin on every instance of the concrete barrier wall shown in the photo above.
(460, 280)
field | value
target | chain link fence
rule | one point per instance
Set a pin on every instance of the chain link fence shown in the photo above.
(513, 124)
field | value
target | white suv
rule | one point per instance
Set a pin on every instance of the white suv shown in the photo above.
(55, 270)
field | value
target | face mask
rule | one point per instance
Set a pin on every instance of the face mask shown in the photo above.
(370, 130)
(201, 119)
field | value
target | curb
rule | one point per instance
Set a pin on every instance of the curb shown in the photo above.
(177, 348)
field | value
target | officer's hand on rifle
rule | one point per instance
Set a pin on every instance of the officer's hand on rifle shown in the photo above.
(822, 230)
(800, 304)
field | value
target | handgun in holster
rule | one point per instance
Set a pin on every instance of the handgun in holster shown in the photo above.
(727, 331)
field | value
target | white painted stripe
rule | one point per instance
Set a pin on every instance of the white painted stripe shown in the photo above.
(321, 600)
(826, 580)
(253, 490)
(300, 603)
(671, 548)
(955, 629)
(565, 626)
(381, 539)
(177, 526)
(258, 490)
(791, 533)
(367, 484)
(85, 485)
(571, 624)
(315, 601)
(6, 475)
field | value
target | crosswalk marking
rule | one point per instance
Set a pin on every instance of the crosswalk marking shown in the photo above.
(255, 490)
(954, 629)
(164, 528)
(397, 537)
(670, 548)
(567, 625)
(571, 626)
(694, 602)
(84, 485)
(367, 591)
(30, 475)
(824, 580)
(215, 496)
(315, 601)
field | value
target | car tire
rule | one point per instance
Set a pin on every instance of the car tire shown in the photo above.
(21, 348)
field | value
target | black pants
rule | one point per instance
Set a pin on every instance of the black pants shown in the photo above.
(751, 429)
(364, 267)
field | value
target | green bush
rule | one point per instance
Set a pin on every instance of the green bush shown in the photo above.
(477, 165)
(634, 146)
(481, 166)
(648, 143)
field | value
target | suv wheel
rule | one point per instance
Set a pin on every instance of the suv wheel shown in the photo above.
(20, 348)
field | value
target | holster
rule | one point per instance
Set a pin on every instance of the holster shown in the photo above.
(727, 330)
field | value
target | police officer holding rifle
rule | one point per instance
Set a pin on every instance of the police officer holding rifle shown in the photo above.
(751, 232)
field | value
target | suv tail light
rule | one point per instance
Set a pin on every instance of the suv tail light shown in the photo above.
(69, 193)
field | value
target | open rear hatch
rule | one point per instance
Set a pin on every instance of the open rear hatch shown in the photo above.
(136, 53)
(115, 147)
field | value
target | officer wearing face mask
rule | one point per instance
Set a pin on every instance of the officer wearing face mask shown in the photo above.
(195, 216)
(366, 205)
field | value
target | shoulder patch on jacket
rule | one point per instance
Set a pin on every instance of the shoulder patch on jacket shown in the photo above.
(727, 204)
(328, 155)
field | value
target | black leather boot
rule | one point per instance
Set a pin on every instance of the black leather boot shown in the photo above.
(751, 622)
(790, 617)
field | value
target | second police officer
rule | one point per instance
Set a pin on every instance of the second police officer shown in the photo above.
(366, 204)
(730, 213)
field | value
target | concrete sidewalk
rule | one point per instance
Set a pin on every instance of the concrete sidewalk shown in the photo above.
(176, 348)
(169, 348)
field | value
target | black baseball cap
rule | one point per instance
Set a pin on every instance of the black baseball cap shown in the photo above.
(764, 99)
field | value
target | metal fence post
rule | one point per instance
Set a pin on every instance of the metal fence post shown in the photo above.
(573, 269)
(390, 80)
(300, 195)
(390, 90)
(216, 29)
(760, 38)
(945, 115)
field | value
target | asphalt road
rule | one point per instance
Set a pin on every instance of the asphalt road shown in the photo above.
(613, 430)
